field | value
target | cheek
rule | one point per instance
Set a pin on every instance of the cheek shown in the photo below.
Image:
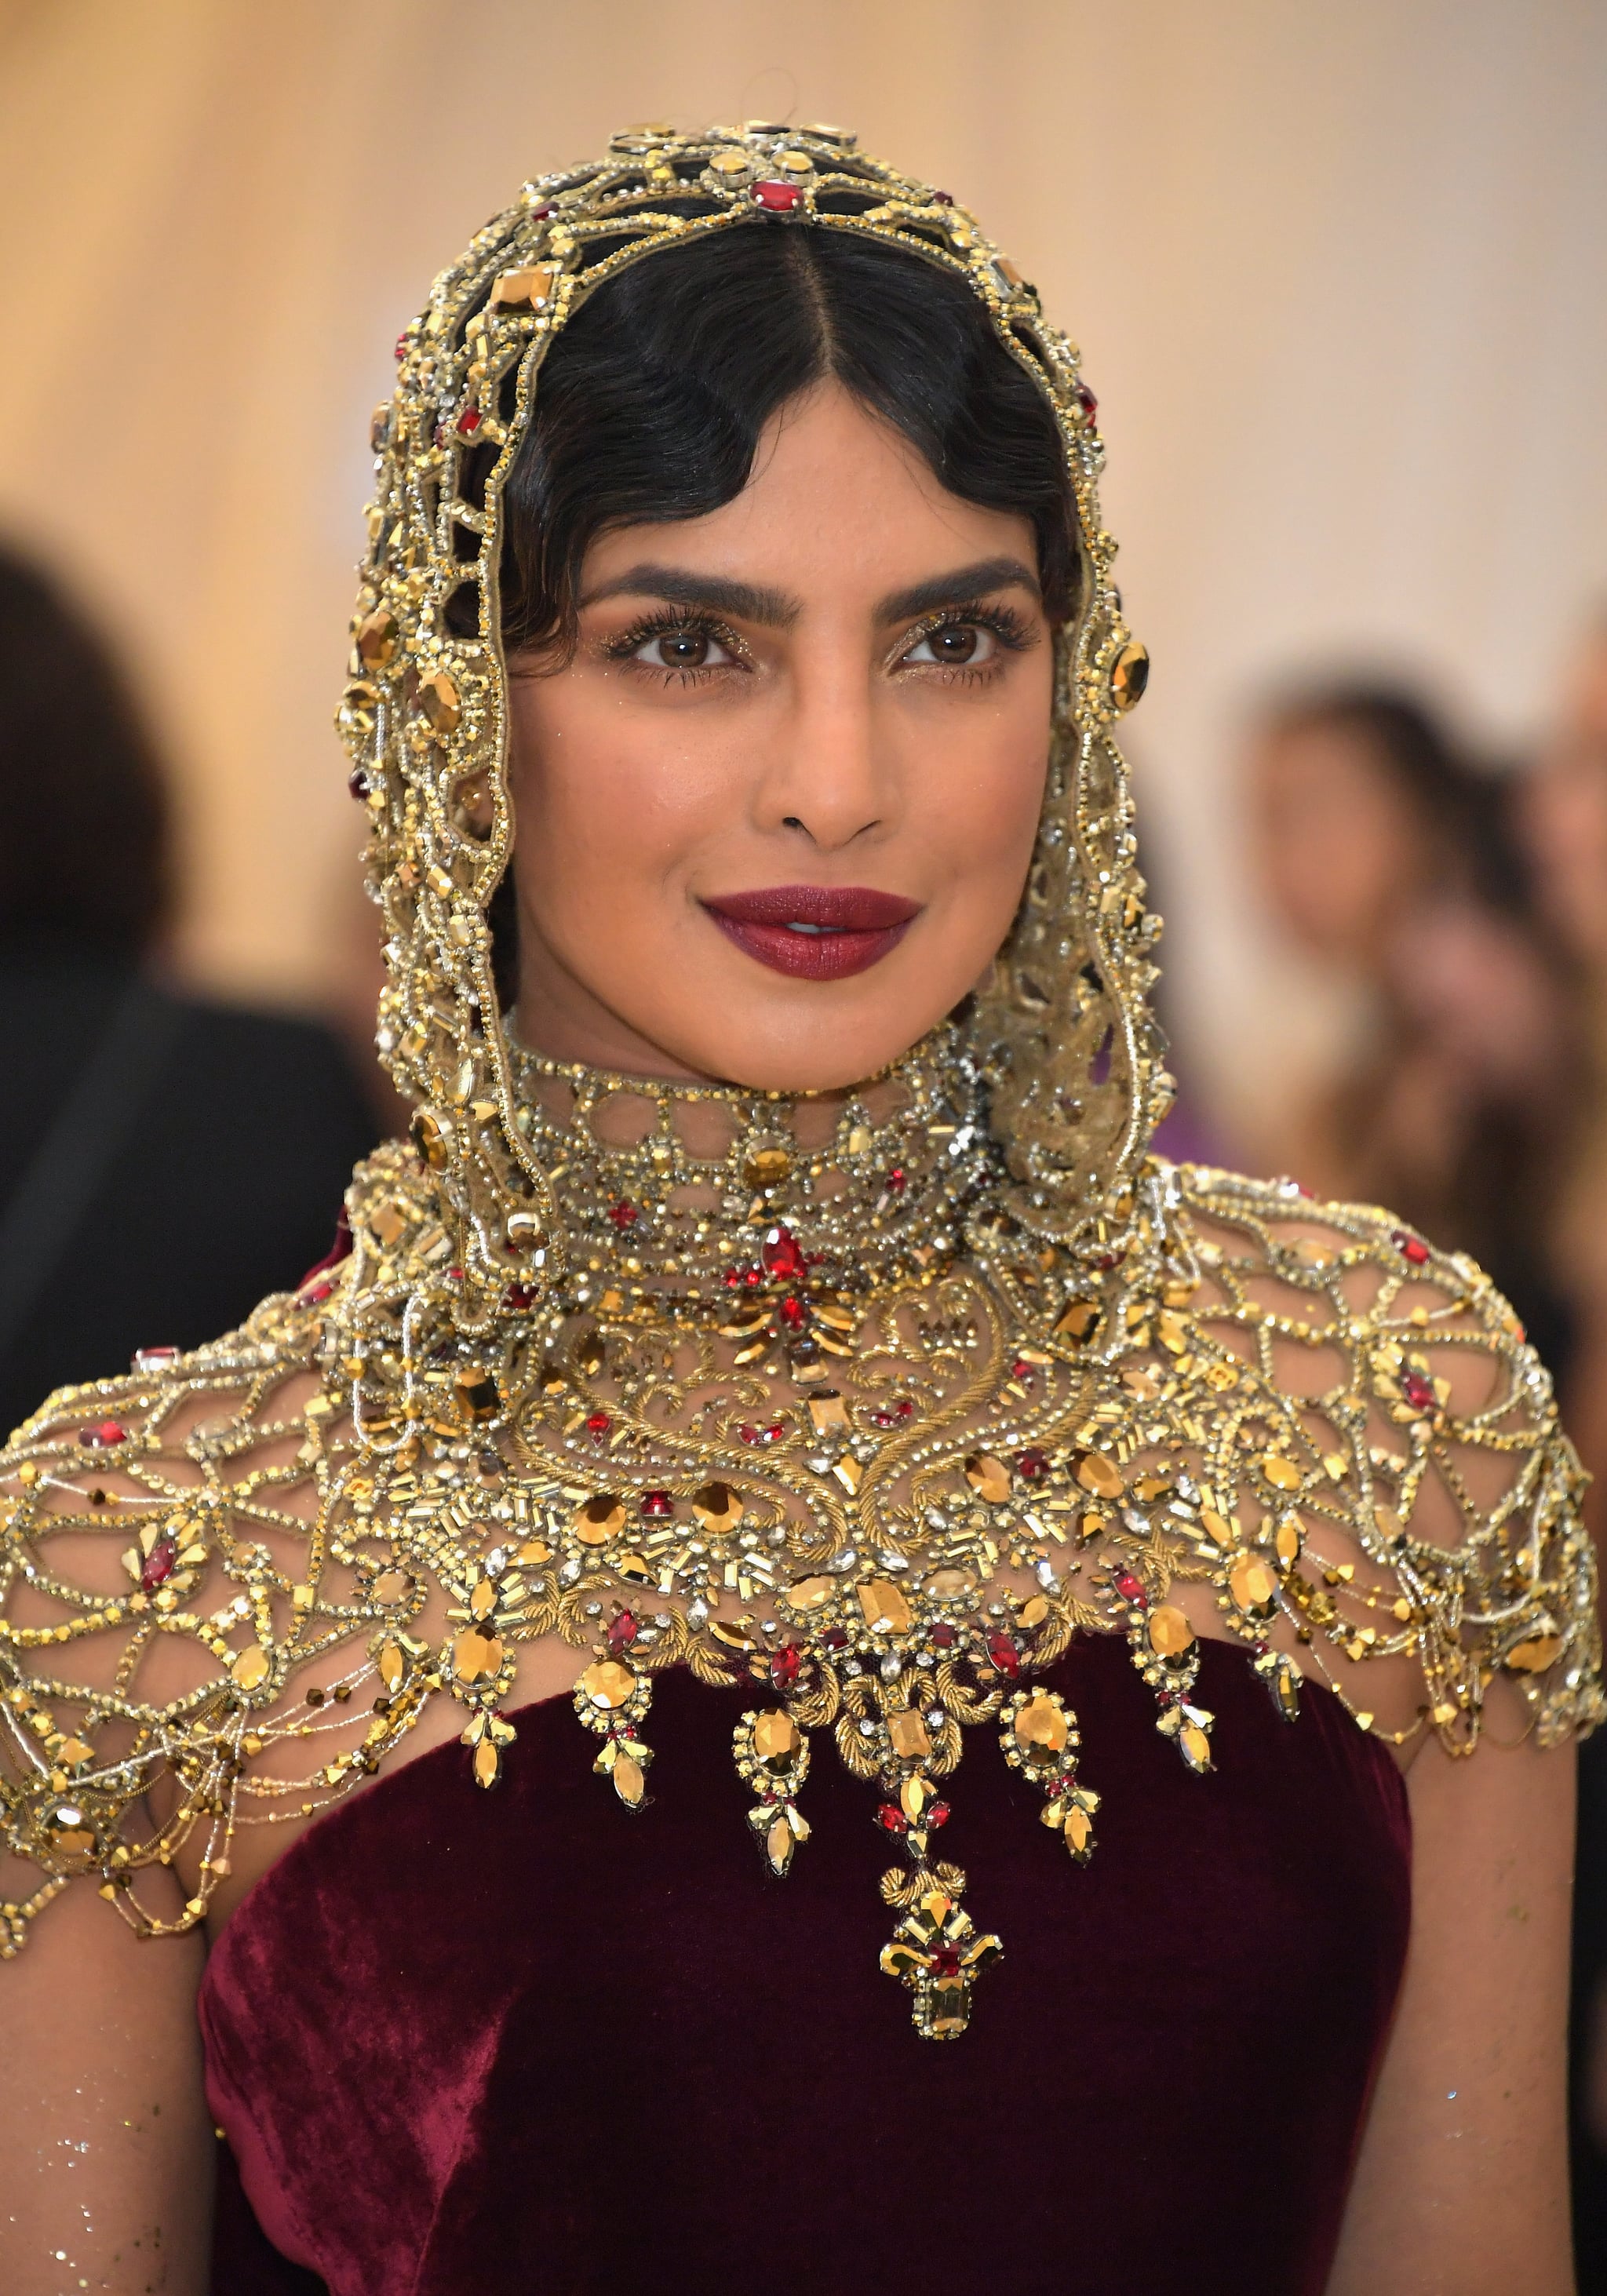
(600, 799)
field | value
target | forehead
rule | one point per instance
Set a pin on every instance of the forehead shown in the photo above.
(836, 497)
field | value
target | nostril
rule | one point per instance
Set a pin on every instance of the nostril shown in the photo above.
(791, 822)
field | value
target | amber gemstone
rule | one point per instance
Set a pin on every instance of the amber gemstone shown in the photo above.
(629, 1783)
(1288, 1542)
(730, 163)
(766, 1167)
(597, 1519)
(884, 1606)
(717, 1507)
(1032, 1613)
(809, 1594)
(1534, 1656)
(779, 1844)
(438, 701)
(71, 1832)
(392, 1664)
(476, 1656)
(1100, 1475)
(947, 1583)
(1041, 1728)
(607, 1683)
(1251, 1583)
(430, 1139)
(250, 1668)
(1281, 1474)
(1079, 1828)
(1170, 1633)
(776, 1737)
(525, 289)
(377, 637)
(907, 1732)
(1078, 1320)
(1129, 676)
(1196, 1746)
(989, 1477)
(393, 1586)
(827, 1410)
(479, 1392)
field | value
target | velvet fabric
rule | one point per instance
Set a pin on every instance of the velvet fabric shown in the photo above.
(527, 2042)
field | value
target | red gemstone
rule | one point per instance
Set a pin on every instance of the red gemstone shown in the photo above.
(733, 1278)
(896, 1180)
(357, 781)
(598, 1425)
(793, 1314)
(752, 1277)
(1128, 1587)
(773, 1434)
(835, 1638)
(904, 1409)
(749, 1433)
(778, 198)
(621, 1633)
(454, 1274)
(103, 1434)
(623, 1214)
(315, 1297)
(1033, 1465)
(519, 1296)
(944, 1636)
(1020, 1368)
(657, 1504)
(942, 199)
(891, 1818)
(158, 1565)
(1085, 399)
(785, 1666)
(946, 1961)
(1412, 1247)
(782, 1256)
(1419, 1391)
(440, 434)
(939, 1814)
(540, 214)
(883, 1418)
(155, 1358)
(1003, 1654)
(401, 346)
(468, 421)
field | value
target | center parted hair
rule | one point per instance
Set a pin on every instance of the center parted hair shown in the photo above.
(653, 401)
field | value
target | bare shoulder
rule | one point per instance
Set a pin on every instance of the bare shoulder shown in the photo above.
(1435, 1496)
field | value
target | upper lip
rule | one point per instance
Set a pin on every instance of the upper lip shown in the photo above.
(841, 908)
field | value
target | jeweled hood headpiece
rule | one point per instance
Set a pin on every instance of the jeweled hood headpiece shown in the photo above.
(1061, 1032)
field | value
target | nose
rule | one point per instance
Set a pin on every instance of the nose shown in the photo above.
(826, 778)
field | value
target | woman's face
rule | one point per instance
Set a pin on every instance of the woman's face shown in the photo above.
(1340, 847)
(774, 815)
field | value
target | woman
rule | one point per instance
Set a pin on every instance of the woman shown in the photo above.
(778, 1325)
(1386, 857)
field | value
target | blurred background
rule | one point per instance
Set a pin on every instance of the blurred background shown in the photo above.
(1339, 278)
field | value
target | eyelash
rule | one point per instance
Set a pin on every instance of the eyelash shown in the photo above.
(1013, 633)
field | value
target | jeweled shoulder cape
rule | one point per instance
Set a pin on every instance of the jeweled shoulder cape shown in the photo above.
(871, 1428)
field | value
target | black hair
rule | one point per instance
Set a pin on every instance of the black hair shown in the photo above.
(86, 832)
(651, 402)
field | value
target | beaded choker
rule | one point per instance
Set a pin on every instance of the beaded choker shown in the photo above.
(879, 1198)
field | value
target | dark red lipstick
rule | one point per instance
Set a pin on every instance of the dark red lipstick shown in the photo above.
(815, 932)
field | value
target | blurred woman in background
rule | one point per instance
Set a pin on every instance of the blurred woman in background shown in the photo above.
(172, 1159)
(1384, 854)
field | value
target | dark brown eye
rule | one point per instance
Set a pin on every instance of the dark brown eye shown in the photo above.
(958, 643)
(952, 645)
(682, 649)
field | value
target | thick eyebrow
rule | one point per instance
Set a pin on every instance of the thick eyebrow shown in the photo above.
(960, 588)
(678, 585)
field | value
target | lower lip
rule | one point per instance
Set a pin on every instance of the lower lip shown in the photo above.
(831, 955)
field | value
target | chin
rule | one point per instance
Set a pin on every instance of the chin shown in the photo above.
(822, 1053)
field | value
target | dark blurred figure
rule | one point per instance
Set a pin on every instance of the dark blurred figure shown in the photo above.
(1387, 855)
(1562, 812)
(164, 1162)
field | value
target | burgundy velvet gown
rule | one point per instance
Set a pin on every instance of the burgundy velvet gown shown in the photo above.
(525, 2042)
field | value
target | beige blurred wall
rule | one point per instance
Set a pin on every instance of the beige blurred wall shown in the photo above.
(1338, 275)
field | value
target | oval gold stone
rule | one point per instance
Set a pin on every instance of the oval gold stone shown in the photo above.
(1534, 1656)
(776, 1737)
(1287, 1541)
(1196, 1746)
(1281, 1474)
(629, 1783)
(717, 1507)
(438, 701)
(989, 1477)
(1041, 1728)
(1250, 1582)
(608, 1684)
(476, 1656)
(884, 1605)
(809, 1594)
(1101, 1476)
(393, 1586)
(766, 1167)
(597, 1519)
(1170, 1633)
(250, 1668)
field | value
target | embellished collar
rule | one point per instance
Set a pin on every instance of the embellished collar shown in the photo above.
(716, 1190)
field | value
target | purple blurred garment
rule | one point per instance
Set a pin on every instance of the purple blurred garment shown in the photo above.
(526, 2041)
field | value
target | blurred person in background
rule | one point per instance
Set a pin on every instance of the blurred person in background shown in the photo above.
(1563, 816)
(1384, 854)
(172, 1158)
